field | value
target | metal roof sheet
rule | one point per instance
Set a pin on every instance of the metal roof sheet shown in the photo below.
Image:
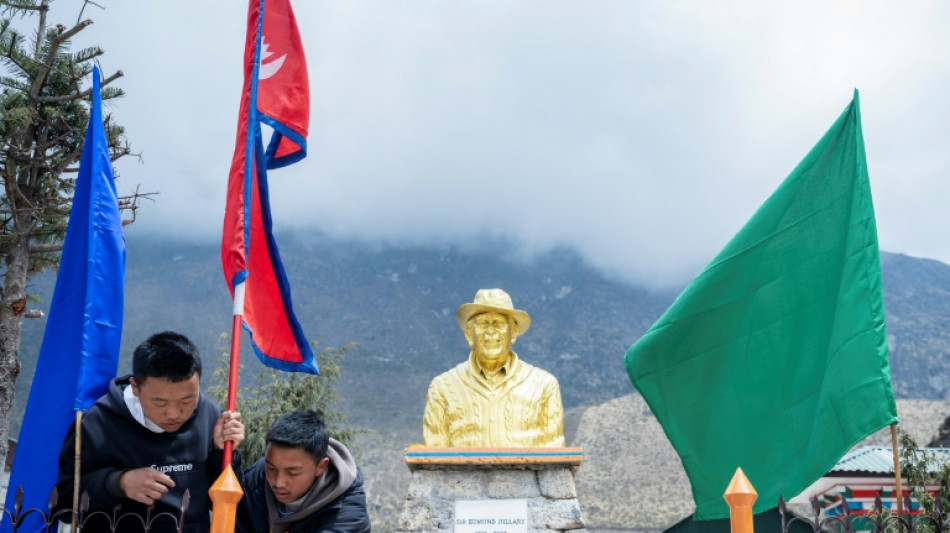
(880, 459)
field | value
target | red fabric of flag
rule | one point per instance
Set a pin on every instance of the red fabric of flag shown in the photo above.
(275, 93)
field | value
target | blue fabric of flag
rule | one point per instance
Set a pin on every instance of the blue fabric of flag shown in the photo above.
(80, 350)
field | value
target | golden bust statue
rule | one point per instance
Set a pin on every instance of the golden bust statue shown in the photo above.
(493, 399)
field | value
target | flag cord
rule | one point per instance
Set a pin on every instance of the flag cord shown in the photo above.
(897, 472)
(77, 467)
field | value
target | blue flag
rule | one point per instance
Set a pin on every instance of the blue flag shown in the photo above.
(80, 348)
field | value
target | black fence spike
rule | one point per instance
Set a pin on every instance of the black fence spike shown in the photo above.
(781, 504)
(845, 506)
(185, 501)
(84, 502)
(18, 500)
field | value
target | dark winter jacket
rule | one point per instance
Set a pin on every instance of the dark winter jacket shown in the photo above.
(114, 442)
(337, 502)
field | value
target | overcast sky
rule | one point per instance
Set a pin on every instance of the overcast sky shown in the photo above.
(643, 133)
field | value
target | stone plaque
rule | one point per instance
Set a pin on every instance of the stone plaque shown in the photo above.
(491, 516)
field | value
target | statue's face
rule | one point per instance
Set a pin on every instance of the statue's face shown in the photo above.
(490, 337)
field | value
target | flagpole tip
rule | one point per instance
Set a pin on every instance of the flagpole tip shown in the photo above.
(740, 488)
(225, 493)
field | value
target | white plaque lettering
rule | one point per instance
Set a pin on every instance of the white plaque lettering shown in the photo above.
(491, 516)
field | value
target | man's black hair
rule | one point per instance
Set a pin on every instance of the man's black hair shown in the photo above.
(301, 429)
(166, 355)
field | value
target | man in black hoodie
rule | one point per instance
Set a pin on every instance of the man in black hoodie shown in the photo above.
(151, 437)
(306, 482)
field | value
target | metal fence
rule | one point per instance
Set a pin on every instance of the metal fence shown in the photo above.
(879, 519)
(97, 521)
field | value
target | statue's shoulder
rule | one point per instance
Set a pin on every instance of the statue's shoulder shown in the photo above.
(453, 374)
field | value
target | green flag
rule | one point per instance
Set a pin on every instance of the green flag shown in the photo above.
(774, 358)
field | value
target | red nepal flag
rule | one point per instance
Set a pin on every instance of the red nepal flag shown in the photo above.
(276, 93)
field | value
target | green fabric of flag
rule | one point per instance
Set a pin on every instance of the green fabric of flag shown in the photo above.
(774, 358)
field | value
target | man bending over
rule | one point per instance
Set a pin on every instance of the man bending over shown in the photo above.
(306, 482)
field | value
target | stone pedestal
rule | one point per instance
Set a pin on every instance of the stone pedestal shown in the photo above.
(543, 477)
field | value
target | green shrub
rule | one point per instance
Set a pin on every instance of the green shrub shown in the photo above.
(276, 392)
(921, 468)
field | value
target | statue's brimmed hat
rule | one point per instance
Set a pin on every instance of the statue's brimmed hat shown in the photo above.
(495, 300)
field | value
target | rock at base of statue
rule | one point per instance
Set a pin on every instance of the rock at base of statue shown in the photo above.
(492, 490)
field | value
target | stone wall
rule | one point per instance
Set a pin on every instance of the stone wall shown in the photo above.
(545, 482)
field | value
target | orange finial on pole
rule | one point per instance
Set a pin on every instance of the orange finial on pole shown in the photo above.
(740, 495)
(225, 493)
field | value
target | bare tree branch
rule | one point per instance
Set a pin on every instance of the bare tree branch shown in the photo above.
(51, 55)
(14, 5)
(45, 248)
(77, 96)
(84, 4)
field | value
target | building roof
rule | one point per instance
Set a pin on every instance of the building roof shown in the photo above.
(880, 460)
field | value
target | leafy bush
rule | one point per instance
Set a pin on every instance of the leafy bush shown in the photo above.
(923, 471)
(276, 392)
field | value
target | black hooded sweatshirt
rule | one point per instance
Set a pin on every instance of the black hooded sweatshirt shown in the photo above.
(336, 501)
(114, 442)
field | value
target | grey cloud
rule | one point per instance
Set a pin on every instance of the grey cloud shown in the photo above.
(642, 133)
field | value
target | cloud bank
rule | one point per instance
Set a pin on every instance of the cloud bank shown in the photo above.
(643, 134)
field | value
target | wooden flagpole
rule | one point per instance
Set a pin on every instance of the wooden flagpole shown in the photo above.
(898, 489)
(77, 469)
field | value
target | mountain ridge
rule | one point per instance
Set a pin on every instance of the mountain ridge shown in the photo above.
(397, 305)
